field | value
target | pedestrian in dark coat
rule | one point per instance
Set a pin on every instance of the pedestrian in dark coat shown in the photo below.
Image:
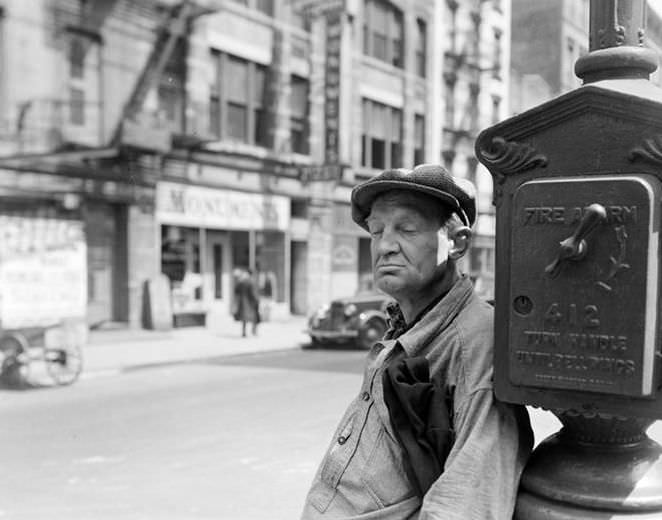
(246, 302)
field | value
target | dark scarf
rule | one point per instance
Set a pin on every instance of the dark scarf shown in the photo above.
(419, 413)
(420, 410)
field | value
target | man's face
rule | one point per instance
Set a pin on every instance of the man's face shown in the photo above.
(409, 251)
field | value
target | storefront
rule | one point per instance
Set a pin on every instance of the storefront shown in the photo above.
(207, 233)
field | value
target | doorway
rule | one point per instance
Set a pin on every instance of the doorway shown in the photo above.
(217, 284)
(106, 263)
(298, 278)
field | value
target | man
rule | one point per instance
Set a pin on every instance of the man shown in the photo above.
(419, 222)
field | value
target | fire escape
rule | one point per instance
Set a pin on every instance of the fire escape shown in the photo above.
(463, 67)
(139, 136)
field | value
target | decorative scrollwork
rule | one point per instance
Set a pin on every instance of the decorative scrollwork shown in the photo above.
(650, 150)
(617, 264)
(613, 36)
(641, 33)
(508, 157)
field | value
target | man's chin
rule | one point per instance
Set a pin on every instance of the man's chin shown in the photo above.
(389, 285)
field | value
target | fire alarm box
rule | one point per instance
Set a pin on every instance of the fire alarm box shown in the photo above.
(584, 278)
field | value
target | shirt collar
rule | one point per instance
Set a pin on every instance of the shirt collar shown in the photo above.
(397, 319)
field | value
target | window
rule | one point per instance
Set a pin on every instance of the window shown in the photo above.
(475, 35)
(571, 60)
(237, 107)
(299, 208)
(482, 259)
(396, 33)
(452, 33)
(77, 106)
(237, 93)
(448, 157)
(419, 139)
(261, 130)
(496, 59)
(496, 109)
(396, 138)
(300, 20)
(449, 114)
(473, 105)
(383, 32)
(299, 115)
(421, 42)
(169, 103)
(214, 95)
(265, 6)
(382, 136)
(76, 59)
(472, 165)
(170, 89)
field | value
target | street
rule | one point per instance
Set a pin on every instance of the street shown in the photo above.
(235, 438)
(230, 438)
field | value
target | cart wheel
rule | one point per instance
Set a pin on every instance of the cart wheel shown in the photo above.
(15, 368)
(64, 364)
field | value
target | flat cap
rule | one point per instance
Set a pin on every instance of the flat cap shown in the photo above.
(433, 179)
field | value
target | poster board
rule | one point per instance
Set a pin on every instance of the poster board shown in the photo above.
(43, 271)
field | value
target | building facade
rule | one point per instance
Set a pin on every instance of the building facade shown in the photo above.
(548, 36)
(188, 139)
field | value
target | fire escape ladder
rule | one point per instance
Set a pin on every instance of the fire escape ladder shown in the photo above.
(162, 51)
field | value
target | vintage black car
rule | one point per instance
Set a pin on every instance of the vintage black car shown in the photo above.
(359, 319)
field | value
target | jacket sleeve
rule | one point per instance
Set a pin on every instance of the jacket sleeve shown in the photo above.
(481, 475)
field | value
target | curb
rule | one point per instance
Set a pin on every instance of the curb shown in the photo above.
(185, 361)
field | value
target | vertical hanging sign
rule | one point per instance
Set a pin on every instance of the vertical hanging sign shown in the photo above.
(334, 20)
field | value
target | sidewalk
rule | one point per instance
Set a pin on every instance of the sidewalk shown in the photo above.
(117, 350)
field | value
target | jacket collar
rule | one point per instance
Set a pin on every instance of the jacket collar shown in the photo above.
(432, 321)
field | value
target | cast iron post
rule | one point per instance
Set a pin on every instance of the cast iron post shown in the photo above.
(578, 190)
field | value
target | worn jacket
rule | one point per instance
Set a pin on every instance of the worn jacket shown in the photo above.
(363, 476)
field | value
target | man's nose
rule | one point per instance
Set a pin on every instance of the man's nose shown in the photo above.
(387, 243)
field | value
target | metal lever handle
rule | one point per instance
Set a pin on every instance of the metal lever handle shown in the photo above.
(574, 247)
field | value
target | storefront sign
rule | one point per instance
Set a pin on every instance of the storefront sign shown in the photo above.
(197, 206)
(344, 256)
(320, 173)
(334, 21)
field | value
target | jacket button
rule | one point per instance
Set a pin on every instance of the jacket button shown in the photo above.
(342, 440)
(365, 396)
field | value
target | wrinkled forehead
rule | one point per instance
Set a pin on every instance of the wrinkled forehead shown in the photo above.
(425, 206)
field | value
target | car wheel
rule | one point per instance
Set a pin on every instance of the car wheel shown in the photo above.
(371, 331)
(315, 343)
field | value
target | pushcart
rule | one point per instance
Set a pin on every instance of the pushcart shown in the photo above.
(43, 295)
(57, 348)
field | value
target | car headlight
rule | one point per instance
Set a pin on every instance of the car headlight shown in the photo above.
(318, 316)
(350, 310)
(322, 312)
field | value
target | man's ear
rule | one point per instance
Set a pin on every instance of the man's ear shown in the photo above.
(460, 237)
